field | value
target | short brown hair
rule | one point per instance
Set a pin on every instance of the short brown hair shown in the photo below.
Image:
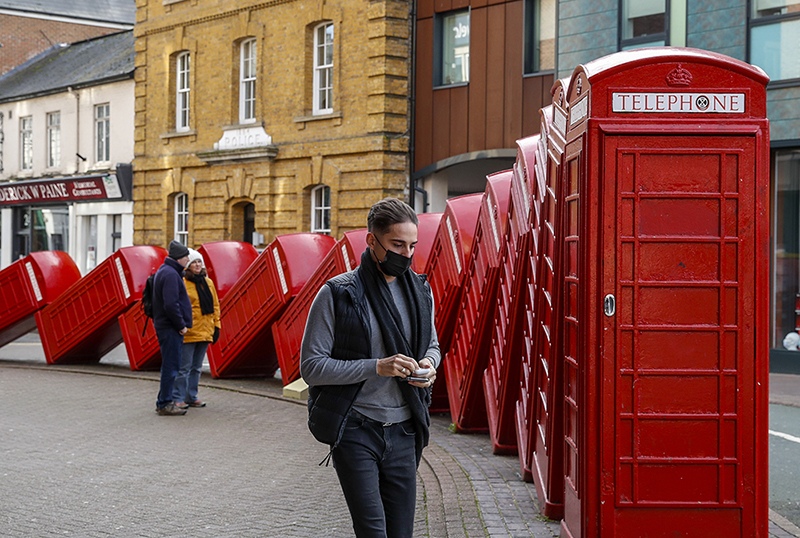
(388, 212)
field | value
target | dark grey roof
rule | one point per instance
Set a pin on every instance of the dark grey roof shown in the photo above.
(85, 63)
(118, 11)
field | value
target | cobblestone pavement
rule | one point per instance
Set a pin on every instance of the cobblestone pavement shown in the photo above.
(85, 455)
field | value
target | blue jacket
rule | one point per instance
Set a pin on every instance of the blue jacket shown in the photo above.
(172, 308)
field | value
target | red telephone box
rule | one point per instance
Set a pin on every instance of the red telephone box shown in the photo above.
(446, 268)
(245, 346)
(526, 390)
(287, 331)
(545, 436)
(468, 356)
(501, 377)
(81, 324)
(225, 262)
(428, 226)
(665, 285)
(29, 284)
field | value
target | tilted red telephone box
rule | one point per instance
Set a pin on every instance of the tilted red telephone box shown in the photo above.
(545, 437)
(230, 258)
(28, 285)
(501, 377)
(446, 268)
(245, 346)
(287, 331)
(81, 324)
(468, 355)
(226, 262)
(666, 297)
(428, 227)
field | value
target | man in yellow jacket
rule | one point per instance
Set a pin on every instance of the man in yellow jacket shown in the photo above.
(204, 331)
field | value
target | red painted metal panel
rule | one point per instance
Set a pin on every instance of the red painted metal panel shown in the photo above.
(468, 355)
(81, 324)
(29, 284)
(226, 262)
(545, 420)
(446, 268)
(245, 346)
(287, 331)
(501, 378)
(674, 204)
(428, 227)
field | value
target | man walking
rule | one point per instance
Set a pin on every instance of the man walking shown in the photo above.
(373, 412)
(172, 317)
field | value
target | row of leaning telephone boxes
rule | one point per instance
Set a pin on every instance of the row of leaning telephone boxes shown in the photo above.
(596, 306)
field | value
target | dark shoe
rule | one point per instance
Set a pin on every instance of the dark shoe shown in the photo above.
(181, 405)
(197, 403)
(170, 409)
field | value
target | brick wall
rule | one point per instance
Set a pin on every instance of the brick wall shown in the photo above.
(359, 151)
(25, 37)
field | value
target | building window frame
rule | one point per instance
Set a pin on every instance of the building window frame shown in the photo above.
(648, 40)
(183, 67)
(54, 139)
(440, 47)
(102, 132)
(26, 142)
(756, 23)
(321, 210)
(532, 53)
(248, 68)
(181, 221)
(323, 68)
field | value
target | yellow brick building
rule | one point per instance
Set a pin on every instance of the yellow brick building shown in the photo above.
(269, 116)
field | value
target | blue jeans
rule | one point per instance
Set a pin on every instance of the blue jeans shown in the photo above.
(377, 470)
(192, 355)
(170, 341)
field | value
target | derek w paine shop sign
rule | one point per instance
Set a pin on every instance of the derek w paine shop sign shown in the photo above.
(61, 190)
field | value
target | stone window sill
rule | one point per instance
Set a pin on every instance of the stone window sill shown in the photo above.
(177, 134)
(302, 120)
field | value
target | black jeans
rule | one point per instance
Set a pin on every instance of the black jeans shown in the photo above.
(377, 469)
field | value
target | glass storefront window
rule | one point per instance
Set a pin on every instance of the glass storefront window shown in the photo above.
(38, 229)
(786, 245)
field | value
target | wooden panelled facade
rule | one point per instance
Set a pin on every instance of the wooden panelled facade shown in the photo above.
(497, 106)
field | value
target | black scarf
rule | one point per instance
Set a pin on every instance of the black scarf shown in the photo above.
(203, 292)
(383, 306)
(394, 338)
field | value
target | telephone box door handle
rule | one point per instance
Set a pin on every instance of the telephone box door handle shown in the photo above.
(609, 305)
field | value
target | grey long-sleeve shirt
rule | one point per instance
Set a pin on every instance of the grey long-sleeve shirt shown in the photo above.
(380, 398)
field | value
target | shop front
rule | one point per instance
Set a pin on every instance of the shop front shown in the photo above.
(89, 216)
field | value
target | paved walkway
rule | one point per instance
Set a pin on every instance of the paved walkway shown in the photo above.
(83, 454)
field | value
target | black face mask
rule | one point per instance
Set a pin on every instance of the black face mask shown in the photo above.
(393, 264)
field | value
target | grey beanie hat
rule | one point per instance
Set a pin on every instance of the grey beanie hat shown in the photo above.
(177, 250)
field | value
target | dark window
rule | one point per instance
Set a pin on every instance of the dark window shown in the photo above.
(451, 48)
(643, 23)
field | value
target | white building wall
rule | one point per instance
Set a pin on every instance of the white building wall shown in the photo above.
(77, 108)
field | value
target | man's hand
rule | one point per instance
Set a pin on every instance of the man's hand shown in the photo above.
(183, 331)
(431, 376)
(396, 366)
